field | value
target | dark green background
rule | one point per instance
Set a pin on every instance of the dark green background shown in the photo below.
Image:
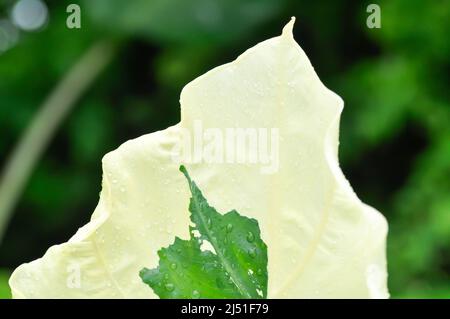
(395, 128)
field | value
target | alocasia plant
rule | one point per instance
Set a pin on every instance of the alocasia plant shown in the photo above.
(322, 241)
(235, 268)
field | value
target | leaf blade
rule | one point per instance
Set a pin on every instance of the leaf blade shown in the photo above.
(236, 269)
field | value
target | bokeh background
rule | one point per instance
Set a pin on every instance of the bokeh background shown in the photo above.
(395, 128)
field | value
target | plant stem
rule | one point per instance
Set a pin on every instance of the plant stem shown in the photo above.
(53, 111)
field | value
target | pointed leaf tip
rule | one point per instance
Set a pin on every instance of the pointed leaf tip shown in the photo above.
(183, 170)
(185, 173)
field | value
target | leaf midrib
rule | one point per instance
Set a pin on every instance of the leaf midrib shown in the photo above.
(219, 254)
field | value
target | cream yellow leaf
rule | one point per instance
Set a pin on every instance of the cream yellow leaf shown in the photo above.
(323, 242)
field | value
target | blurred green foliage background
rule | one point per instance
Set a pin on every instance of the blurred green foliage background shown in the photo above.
(395, 128)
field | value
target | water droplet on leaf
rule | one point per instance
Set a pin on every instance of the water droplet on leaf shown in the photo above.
(195, 294)
(169, 287)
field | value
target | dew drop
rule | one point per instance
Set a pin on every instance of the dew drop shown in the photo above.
(209, 223)
(173, 266)
(252, 252)
(169, 287)
(250, 237)
(229, 228)
(195, 294)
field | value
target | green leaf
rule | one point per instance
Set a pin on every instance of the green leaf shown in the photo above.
(5, 292)
(235, 267)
